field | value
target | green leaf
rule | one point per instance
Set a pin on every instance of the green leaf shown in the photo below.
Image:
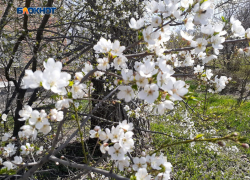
(192, 98)
(216, 33)
(199, 136)
(134, 86)
(182, 9)
(54, 96)
(9, 172)
(132, 177)
(120, 82)
(70, 95)
(223, 18)
(155, 76)
(140, 37)
(159, 97)
(71, 83)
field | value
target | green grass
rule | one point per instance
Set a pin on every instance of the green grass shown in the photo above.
(196, 161)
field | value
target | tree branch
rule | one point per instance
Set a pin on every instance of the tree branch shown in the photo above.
(83, 166)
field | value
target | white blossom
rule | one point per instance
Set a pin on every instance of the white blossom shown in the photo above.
(142, 174)
(186, 3)
(11, 149)
(115, 134)
(147, 69)
(51, 65)
(56, 115)
(199, 44)
(121, 164)
(104, 136)
(120, 62)
(186, 36)
(6, 136)
(149, 93)
(4, 117)
(25, 113)
(126, 126)
(26, 149)
(116, 152)
(40, 150)
(156, 21)
(237, 28)
(149, 35)
(46, 128)
(162, 106)
(176, 89)
(136, 24)
(140, 80)
(248, 33)
(139, 163)
(32, 79)
(28, 131)
(198, 69)
(103, 64)
(126, 93)
(17, 160)
(126, 141)
(117, 49)
(64, 103)
(88, 67)
(8, 165)
(103, 46)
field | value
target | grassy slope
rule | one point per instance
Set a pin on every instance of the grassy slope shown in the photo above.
(207, 160)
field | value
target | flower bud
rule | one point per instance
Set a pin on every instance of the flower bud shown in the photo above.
(116, 81)
(97, 128)
(129, 170)
(143, 153)
(160, 176)
(53, 118)
(57, 163)
(62, 157)
(221, 143)
(240, 51)
(244, 145)
(163, 96)
(235, 134)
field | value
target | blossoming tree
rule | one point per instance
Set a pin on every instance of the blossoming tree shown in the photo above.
(145, 82)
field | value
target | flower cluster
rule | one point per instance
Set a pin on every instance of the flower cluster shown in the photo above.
(116, 52)
(216, 84)
(10, 150)
(153, 79)
(38, 121)
(118, 142)
(7, 152)
(51, 78)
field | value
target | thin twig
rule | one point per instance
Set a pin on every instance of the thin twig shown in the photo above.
(86, 167)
